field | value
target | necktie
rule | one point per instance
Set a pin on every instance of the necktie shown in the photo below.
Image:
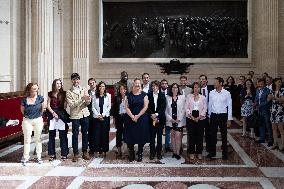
(203, 92)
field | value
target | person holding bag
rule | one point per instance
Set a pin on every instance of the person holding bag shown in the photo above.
(56, 105)
(195, 108)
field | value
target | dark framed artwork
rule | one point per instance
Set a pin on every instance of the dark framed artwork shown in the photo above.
(158, 31)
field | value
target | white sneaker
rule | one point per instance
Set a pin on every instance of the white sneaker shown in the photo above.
(39, 161)
(24, 161)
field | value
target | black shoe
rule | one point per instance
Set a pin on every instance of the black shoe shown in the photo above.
(210, 156)
(225, 157)
(152, 156)
(174, 155)
(139, 159)
(177, 157)
(131, 156)
(269, 144)
(168, 149)
(159, 157)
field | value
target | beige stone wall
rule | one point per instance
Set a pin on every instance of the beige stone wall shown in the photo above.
(24, 46)
(281, 39)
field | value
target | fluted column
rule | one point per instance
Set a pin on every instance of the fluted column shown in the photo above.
(266, 32)
(42, 64)
(80, 40)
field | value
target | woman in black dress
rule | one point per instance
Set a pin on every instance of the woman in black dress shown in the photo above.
(137, 121)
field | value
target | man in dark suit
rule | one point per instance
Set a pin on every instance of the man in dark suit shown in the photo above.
(263, 106)
(164, 86)
(156, 110)
(91, 132)
(205, 90)
(146, 87)
(125, 81)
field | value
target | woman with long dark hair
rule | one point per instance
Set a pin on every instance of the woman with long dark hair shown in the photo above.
(247, 97)
(56, 105)
(101, 105)
(277, 112)
(175, 113)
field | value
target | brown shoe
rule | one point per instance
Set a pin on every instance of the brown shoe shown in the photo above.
(86, 156)
(199, 156)
(75, 158)
(191, 156)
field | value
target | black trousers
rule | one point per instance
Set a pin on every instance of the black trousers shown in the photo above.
(156, 131)
(119, 124)
(91, 133)
(195, 135)
(102, 134)
(140, 148)
(207, 132)
(218, 120)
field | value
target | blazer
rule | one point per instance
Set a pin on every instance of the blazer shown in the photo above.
(209, 89)
(262, 102)
(78, 107)
(161, 106)
(180, 110)
(202, 108)
(106, 106)
(116, 106)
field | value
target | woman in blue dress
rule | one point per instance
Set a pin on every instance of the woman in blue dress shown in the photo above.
(137, 121)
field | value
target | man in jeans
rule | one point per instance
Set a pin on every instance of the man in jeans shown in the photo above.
(262, 104)
(78, 99)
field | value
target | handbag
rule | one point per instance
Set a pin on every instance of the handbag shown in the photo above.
(195, 113)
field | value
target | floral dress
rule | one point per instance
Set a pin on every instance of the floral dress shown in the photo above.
(277, 115)
(247, 107)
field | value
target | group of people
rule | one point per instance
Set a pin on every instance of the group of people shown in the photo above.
(142, 111)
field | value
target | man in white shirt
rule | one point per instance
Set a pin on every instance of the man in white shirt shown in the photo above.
(91, 132)
(146, 83)
(220, 113)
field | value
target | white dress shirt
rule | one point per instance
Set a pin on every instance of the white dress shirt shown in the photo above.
(165, 92)
(206, 93)
(122, 106)
(155, 99)
(219, 102)
(146, 88)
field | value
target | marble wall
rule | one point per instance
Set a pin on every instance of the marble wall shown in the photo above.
(70, 43)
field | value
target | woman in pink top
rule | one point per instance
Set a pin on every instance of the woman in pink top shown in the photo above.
(195, 108)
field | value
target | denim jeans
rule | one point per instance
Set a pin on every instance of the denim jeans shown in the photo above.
(167, 136)
(63, 142)
(84, 122)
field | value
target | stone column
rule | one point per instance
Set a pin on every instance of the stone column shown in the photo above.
(41, 65)
(80, 40)
(266, 36)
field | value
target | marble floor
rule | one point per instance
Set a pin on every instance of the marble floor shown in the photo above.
(250, 165)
